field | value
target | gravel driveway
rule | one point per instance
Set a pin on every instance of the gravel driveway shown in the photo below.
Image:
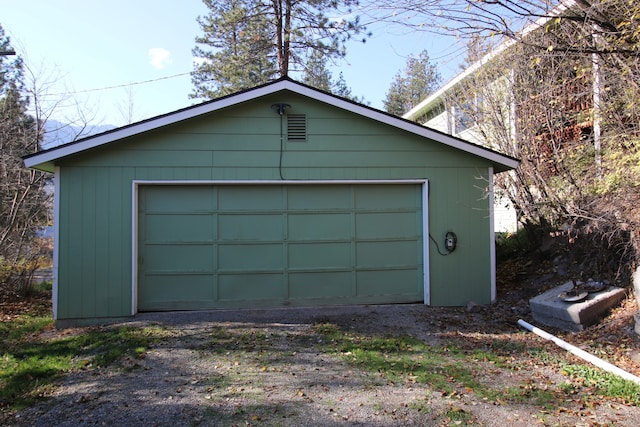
(274, 372)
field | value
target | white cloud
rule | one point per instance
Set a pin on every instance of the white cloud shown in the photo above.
(159, 57)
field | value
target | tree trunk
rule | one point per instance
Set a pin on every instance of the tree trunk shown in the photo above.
(286, 51)
(277, 8)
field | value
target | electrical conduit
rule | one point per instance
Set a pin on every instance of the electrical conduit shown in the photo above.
(580, 353)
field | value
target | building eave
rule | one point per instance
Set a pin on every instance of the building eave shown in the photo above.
(46, 160)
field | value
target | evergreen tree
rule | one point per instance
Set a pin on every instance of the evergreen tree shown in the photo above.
(316, 72)
(340, 88)
(241, 54)
(249, 42)
(23, 202)
(420, 79)
(318, 75)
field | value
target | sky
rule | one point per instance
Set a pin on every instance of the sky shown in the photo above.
(121, 61)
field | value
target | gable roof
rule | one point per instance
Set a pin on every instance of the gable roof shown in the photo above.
(45, 160)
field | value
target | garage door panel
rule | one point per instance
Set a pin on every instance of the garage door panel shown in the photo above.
(319, 198)
(179, 228)
(388, 196)
(388, 254)
(386, 225)
(169, 292)
(251, 287)
(389, 282)
(317, 227)
(314, 256)
(250, 198)
(173, 258)
(252, 227)
(179, 198)
(248, 257)
(321, 285)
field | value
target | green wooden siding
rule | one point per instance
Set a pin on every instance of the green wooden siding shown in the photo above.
(95, 271)
(245, 245)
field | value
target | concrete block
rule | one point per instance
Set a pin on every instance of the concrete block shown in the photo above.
(549, 309)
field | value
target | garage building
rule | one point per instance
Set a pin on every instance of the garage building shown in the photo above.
(275, 196)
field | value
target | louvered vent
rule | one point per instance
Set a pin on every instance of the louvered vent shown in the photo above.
(296, 127)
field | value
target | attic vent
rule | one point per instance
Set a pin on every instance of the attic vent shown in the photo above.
(296, 127)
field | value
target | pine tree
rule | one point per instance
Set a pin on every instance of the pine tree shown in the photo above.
(241, 54)
(340, 88)
(23, 202)
(318, 75)
(420, 79)
(316, 72)
(249, 42)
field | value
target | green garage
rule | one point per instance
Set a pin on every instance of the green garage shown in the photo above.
(279, 195)
(211, 246)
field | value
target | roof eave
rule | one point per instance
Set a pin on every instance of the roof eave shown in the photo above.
(45, 160)
(50, 155)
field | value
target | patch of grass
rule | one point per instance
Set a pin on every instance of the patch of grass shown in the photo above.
(488, 356)
(459, 417)
(601, 383)
(29, 364)
(18, 329)
(450, 370)
(328, 329)
(403, 358)
(421, 405)
(542, 397)
(103, 347)
(604, 383)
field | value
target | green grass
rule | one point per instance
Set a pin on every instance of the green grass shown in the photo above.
(405, 359)
(604, 383)
(459, 417)
(21, 327)
(584, 376)
(543, 397)
(448, 369)
(30, 365)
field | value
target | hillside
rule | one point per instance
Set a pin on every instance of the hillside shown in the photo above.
(58, 133)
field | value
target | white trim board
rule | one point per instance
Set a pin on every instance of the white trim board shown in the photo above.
(56, 240)
(492, 236)
(425, 244)
(44, 159)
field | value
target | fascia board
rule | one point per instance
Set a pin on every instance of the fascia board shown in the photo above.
(285, 84)
(148, 125)
(408, 126)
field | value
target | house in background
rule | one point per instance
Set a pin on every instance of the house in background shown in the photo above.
(482, 105)
(279, 195)
(442, 111)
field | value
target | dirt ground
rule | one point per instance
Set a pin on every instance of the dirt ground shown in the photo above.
(285, 378)
(273, 368)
